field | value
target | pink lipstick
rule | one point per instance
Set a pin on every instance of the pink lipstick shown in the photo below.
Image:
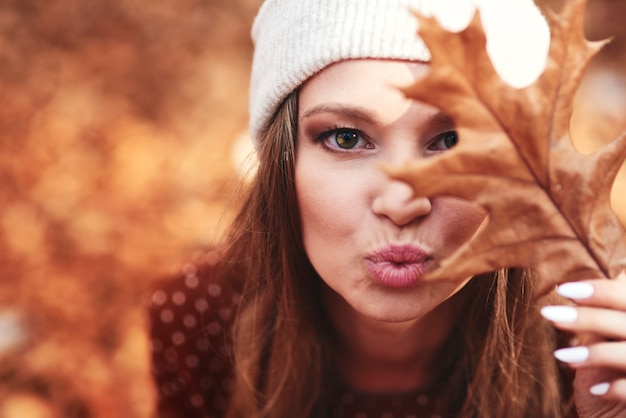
(398, 266)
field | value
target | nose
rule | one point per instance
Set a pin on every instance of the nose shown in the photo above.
(397, 202)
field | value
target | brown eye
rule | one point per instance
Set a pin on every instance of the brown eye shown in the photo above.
(346, 139)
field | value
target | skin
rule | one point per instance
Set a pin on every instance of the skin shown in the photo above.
(349, 208)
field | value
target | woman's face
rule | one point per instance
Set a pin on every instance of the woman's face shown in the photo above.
(371, 238)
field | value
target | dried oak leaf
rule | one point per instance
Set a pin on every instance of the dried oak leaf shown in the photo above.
(548, 205)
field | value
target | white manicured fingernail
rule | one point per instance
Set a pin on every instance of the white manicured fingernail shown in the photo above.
(572, 354)
(599, 389)
(564, 314)
(575, 290)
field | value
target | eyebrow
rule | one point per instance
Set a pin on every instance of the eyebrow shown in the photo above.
(349, 111)
(359, 113)
(440, 118)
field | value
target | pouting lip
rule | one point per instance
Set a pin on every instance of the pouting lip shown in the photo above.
(398, 266)
(398, 254)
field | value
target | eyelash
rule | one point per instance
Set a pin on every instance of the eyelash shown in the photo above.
(442, 136)
(325, 136)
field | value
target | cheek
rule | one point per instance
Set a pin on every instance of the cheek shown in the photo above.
(326, 207)
(460, 219)
(333, 207)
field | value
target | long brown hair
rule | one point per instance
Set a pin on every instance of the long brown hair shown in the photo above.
(281, 349)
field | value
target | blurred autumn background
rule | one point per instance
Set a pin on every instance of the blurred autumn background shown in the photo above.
(123, 128)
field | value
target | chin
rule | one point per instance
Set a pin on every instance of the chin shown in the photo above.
(395, 311)
(406, 305)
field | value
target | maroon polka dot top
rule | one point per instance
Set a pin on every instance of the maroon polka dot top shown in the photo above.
(191, 318)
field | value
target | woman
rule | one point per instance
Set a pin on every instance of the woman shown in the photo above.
(314, 305)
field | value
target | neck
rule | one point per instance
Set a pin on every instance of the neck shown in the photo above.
(378, 357)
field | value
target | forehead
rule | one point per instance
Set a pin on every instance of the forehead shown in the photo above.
(362, 79)
(367, 83)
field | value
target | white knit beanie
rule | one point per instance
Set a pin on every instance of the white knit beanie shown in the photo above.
(294, 39)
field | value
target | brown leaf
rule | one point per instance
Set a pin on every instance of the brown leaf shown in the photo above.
(548, 205)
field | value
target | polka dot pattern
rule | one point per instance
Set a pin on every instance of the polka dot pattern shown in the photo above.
(191, 316)
(348, 404)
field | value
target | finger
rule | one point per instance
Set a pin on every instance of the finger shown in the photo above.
(614, 390)
(608, 323)
(611, 355)
(599, 292)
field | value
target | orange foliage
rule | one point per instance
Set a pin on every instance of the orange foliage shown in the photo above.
(117, 122)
